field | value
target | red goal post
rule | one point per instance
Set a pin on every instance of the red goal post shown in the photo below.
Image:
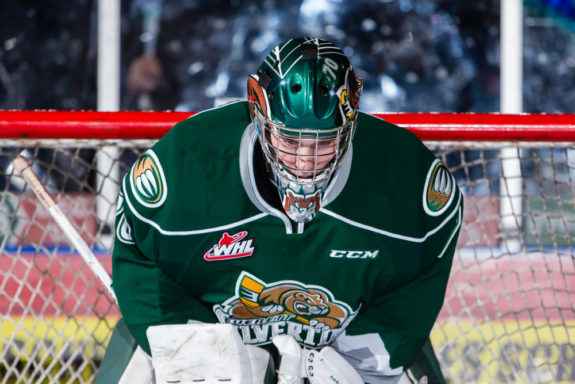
(508, 315)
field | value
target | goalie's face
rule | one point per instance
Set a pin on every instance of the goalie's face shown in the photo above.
(304, 157)
(302, 161)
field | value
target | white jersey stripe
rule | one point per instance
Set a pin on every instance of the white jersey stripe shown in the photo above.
(187, 233)
(391, 234)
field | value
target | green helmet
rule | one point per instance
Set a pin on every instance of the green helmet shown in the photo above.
(306, 83)
(304, 102)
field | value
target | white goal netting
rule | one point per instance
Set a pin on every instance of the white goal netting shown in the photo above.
(509, 311)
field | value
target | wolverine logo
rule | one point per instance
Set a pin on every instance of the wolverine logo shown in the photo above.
(287, 307)
(310, 306)
(439, 189)
(148, 181)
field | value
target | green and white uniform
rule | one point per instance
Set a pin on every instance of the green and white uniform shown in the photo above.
(200, 235)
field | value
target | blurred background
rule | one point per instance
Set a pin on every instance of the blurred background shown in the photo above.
(515, 258)
(415, 55)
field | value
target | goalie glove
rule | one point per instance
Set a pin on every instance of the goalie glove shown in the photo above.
(207, 354)
(291, 366)
(329, 367)
(319, 367)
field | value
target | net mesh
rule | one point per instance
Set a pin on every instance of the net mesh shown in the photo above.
(508, 314)
(57, 319)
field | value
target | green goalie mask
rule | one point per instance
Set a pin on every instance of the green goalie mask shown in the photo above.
(304, 102)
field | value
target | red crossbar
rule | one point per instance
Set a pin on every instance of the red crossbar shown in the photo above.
(153, 125)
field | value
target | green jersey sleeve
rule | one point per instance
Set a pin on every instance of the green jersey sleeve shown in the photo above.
(146, 295)
(396, 324)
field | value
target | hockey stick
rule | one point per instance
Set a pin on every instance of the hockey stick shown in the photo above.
(23, 166)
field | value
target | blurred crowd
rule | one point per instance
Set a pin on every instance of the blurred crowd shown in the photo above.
(415, 55)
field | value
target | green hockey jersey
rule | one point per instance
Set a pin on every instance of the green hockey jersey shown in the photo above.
(201, 235)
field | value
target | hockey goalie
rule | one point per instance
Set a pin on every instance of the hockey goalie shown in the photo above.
(288, 237)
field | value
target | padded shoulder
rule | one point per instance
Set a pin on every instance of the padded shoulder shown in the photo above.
(396, 183)
(185, 178)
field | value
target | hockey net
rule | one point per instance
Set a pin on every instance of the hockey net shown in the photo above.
(508, 315)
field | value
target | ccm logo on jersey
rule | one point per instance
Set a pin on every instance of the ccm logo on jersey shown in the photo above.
(338, 254)
(231, 247)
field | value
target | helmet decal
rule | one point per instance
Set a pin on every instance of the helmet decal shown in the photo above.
(257, 96)
(301, 207)
(285, 56)
(349, 94)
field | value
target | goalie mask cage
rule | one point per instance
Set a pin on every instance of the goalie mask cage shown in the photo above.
(508, 315)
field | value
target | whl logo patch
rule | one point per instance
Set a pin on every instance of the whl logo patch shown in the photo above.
(231, 247)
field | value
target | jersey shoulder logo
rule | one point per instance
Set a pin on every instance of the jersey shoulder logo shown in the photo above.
(439, 189)
(148, 181)
(124, 231)
(231, 247)
(261, 310)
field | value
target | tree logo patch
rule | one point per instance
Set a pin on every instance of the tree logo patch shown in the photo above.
(439, 187)
(148, 181)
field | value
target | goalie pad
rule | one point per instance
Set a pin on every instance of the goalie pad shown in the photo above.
(206, 353)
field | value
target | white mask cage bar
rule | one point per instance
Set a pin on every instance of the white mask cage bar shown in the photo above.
(303, 155)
